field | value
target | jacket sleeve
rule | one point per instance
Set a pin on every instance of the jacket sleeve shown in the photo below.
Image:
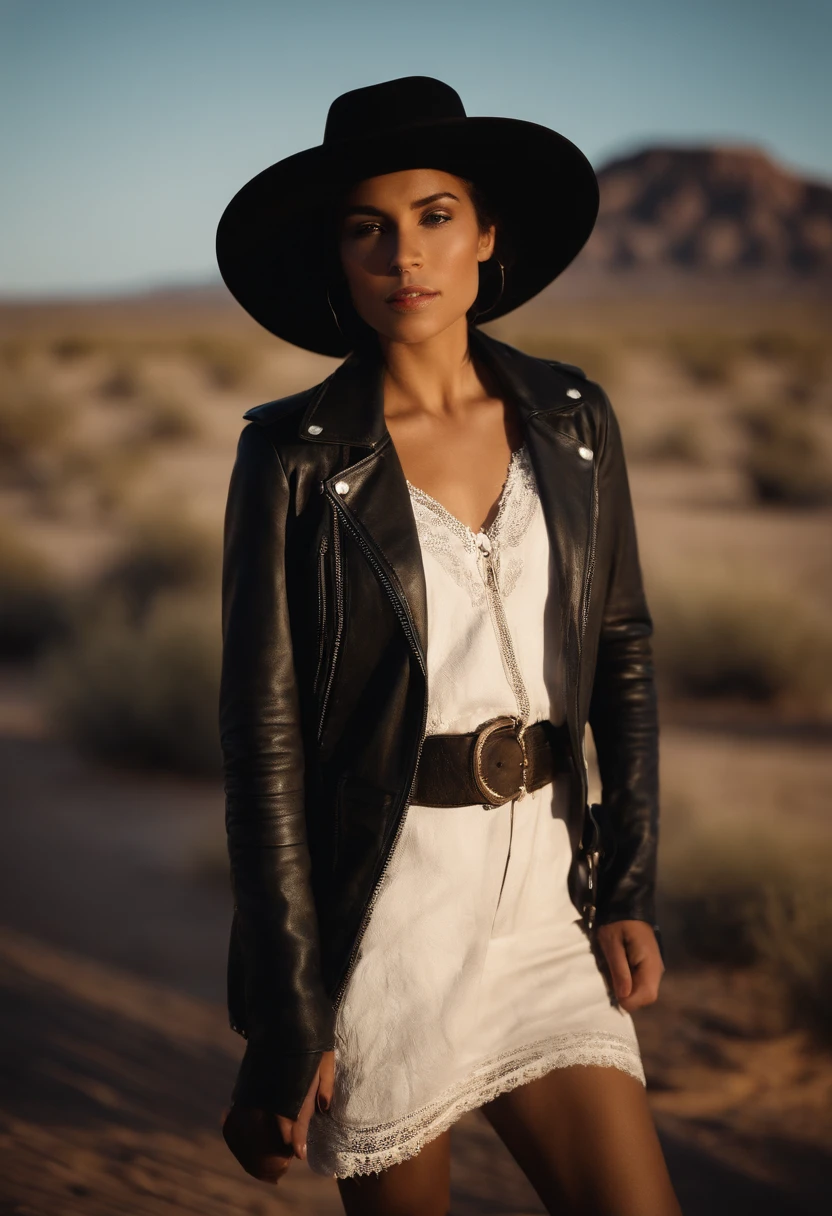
(288, 1014)
(623, 708)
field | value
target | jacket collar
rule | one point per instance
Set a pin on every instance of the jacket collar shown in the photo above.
(371, 492)
(348, 407)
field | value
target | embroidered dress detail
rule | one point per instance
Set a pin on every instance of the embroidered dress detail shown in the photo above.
(450, 540)
(475, 973)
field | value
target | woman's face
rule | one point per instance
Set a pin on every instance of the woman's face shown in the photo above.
(410, 247)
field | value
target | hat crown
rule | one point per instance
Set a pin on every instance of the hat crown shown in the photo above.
(410, 101)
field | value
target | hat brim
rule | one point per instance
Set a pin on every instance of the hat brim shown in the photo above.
(275, 256)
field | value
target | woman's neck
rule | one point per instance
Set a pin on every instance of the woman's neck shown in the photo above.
(436, 377)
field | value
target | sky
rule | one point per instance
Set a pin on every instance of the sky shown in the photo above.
(129, 124)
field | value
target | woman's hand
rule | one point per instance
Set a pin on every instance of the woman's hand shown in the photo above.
(265, 1143)
(634, 961)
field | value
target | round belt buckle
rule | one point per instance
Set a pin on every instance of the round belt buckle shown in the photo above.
(500, 761)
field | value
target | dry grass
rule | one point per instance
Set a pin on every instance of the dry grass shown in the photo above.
(33, 419)
(169, 419)
(786, 461)
(141, 694)
(34, 603)
(679, 442)
(738, 898)
(163, 551)
(733, 634)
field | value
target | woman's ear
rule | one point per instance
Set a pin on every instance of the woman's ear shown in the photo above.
(487, 241)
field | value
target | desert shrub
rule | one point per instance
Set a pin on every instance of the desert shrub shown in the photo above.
(33, 600)
(707, 359)
(803, 351)
(106, 474)
(169, 420)
(31, 419)
(15, 353)
(679, 442)
(141, 694)
(730, 634)
(163, 551)
(785, 461)
(754, 897)
(226, 365)
(123, 380)
(72, 347)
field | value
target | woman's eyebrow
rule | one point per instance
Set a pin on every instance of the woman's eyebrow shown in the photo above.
(419, 202)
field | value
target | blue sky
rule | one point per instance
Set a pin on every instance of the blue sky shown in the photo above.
(128, 124)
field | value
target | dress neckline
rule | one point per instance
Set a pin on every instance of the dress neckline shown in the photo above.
(456, 524)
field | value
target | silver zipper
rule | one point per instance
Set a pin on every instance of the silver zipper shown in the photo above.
(591, 853)
(498, 616)
(591, 558)
(410, 633)
(339, 618)
(321, 604)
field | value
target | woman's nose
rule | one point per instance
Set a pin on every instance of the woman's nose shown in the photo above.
(405, 253)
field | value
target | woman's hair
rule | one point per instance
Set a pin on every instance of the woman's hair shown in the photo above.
(363, 337)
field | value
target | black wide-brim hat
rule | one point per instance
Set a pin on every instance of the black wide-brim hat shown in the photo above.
(275, 245)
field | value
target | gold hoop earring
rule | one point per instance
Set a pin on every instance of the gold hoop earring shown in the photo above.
(482, 311)
(335, 316)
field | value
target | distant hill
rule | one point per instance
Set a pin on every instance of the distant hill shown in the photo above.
(713, 224)
(710, 210)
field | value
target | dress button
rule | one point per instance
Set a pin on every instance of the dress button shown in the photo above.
(341, 487)
(574, 393)
(314, 429)
(586, 453)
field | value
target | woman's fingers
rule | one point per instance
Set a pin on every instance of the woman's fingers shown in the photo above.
(612, 943)
(265, 1143)
(286, 1126)
(634, 960)
(253, 1136)
(327, 1081)
(300, 1127)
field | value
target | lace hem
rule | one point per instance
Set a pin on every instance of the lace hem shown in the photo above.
(335, 1148)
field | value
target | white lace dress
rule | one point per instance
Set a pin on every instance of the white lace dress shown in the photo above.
(474, 974)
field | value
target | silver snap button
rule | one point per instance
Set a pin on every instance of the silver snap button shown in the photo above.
(586, 453)
(314, 429)
(341, 487)
(574, 393)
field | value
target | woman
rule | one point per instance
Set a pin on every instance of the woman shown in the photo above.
(431, 584)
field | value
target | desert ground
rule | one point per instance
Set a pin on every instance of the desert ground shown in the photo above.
(116, 1060)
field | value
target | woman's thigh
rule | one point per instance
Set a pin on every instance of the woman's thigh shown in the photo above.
(420, 1186)
(584, 1136)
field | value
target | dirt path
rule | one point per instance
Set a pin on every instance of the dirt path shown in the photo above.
(116, 1060)
(112, 1088)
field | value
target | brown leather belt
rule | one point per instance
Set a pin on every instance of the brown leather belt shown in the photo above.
(491, 765)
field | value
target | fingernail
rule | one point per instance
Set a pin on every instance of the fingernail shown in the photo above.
(303, 1151)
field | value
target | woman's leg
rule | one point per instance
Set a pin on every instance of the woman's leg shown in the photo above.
(584, 1137)
(420, 1186)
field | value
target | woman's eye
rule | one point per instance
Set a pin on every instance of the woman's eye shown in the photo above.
(365, 229)
(436, 218)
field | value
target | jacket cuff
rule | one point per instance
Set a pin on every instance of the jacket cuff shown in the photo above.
(272, 1080)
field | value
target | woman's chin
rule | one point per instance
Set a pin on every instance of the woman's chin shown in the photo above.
(416, 328)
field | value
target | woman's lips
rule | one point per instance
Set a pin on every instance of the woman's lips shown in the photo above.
(411, 299)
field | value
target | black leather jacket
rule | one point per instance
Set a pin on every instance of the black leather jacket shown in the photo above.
(324, 693)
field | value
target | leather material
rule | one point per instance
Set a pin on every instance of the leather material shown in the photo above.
(323, 697)
(446, 777)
